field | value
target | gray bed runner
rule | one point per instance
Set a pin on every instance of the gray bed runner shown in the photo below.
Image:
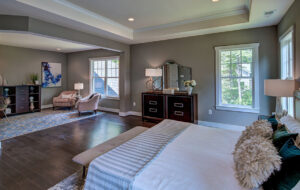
(117, 168)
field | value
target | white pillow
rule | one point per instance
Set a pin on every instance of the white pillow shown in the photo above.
(66, 96)
(292, 124)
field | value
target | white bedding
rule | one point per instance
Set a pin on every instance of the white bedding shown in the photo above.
(199, 158)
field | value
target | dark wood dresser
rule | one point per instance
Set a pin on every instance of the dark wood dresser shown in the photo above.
(20, 98)
(178, 106)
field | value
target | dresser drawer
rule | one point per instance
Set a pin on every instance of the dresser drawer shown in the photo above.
(22, 90)
(180, 108)
(22, 108)
(153, 105)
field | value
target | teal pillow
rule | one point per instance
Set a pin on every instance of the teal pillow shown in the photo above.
(289, 174)
(289, 150)
(281, 135)
(272, 119)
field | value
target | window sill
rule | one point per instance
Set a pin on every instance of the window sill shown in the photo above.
(238, 109)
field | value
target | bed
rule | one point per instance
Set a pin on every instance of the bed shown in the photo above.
(189, 157)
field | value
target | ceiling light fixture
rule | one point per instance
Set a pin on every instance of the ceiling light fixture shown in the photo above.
(131, 19)
(58, 49)
(215, 1)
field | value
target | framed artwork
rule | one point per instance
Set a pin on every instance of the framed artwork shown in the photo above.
(51, 74)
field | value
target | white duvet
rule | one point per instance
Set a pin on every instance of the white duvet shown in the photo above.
(199, 158)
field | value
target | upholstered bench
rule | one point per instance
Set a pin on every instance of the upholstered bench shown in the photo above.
(89, 155)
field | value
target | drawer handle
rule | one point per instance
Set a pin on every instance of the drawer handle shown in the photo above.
(178, 105)
(178, 113)
(151, 102)
(153, 110)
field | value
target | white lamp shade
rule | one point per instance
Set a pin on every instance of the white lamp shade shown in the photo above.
(279, 88)
(78, 86)
(153, 72)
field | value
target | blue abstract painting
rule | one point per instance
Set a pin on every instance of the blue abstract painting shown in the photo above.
(51, 74)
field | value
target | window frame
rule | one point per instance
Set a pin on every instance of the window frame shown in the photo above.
(255, 108)
(91, 77)
(292, 40)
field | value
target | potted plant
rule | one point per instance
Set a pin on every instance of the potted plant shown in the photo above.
(190, 84)
(34, 78)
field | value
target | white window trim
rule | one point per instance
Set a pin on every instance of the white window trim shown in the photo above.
(292, 31)
(91, 76)
(255, 108)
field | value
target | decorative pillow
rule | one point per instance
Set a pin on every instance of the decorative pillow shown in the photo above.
(255, 160)
(272, 119)
(91, 96)
(292, 124)
(289, 175)
(258, 128)
(297, 141)
(281, 135)
(66, 96)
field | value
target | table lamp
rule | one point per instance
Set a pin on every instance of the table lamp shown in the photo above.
(152, 73)
(279, 88)
(78, 87)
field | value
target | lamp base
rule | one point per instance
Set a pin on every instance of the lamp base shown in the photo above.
(278, 110)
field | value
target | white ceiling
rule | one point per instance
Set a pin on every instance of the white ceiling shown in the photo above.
(154, 19)
(149, 13)
(28, 40)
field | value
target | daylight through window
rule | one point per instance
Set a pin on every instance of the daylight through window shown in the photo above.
(237, 77)
(105, 76)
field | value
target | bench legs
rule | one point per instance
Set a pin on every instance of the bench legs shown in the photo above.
(83, 172)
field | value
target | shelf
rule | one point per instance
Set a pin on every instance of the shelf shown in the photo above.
(33, 93)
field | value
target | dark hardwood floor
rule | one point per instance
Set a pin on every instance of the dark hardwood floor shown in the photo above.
(42, 159)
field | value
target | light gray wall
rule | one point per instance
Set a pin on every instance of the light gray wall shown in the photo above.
(198, 52)
(78, 70)
(16, 64)
(292, 18)
(26, 24)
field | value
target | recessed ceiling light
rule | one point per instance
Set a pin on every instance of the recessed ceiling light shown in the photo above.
(215, 1)
(131, 19)
(58, 49)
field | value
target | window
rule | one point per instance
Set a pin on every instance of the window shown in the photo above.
(105, 76)
(237, 78)
(287, 66)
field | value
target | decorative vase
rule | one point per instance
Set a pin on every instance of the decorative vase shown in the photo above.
(31, 106)
(189, 90)
(6, 90)
(36, 82)
(7, 101)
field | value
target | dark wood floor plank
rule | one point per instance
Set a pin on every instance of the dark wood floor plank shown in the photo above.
(40, 160)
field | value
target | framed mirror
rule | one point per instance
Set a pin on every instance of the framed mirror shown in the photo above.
(174, 75)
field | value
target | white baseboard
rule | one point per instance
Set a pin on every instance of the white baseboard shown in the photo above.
(221, 125)
(124, 114)
(47, 106)
(109, 109)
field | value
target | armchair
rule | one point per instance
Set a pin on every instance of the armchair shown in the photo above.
(65, 99)
(89, 103)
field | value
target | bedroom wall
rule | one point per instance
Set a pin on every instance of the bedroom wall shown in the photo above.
(31, 25)
(198, 52)
(78, 69)
(16, 64)
(292, 18)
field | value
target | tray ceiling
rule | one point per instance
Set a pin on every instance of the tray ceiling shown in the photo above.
(154, 20)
